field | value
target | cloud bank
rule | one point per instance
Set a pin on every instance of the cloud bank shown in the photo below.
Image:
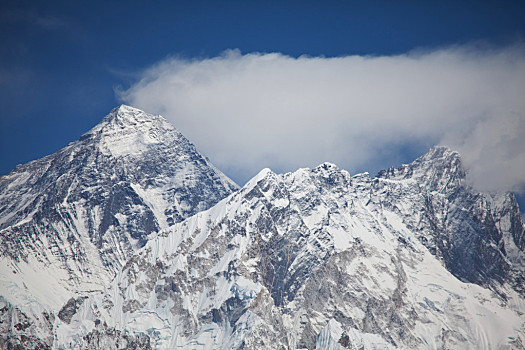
(249, 111)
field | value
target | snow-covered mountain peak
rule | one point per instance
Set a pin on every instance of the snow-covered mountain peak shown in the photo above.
(440, 157)
(438, 152)
(265, 173)
(130, 116)
(439, 169)
(70, 220)
(130, 131)
(128, 109)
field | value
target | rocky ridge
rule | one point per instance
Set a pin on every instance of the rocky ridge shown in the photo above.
(412, 258)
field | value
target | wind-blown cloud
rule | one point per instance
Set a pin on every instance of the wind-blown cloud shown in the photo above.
(249, 111)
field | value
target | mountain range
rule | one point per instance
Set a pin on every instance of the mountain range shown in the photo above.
(129, 238)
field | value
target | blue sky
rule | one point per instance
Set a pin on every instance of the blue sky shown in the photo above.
(62, 61)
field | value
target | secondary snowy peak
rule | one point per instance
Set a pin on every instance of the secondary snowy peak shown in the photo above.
(69, 221)
(438, 153)
(469, 231)
(439, 169)
(319, 259)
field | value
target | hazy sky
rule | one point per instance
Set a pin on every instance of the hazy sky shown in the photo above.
(364, 84)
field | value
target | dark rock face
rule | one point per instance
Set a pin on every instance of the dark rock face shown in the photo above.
(69, 310)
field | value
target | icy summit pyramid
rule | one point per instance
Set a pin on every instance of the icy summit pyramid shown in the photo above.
(69, 221)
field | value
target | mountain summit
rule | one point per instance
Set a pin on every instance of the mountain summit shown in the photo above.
(69, 221)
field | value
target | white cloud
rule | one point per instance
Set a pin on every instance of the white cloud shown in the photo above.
(257, 110)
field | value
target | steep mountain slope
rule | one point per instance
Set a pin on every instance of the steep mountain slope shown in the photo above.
(474, 234)
(413, 258)
(69, 221)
